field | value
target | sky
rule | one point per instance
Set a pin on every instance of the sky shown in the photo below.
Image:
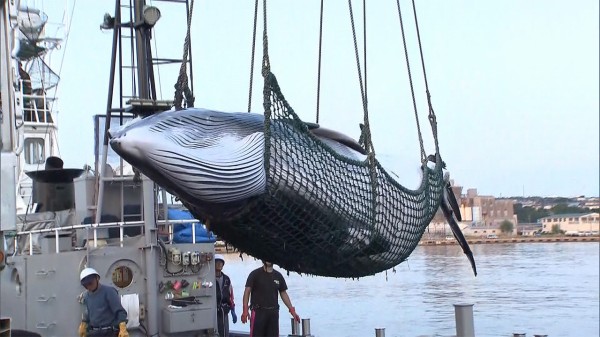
(514, 84)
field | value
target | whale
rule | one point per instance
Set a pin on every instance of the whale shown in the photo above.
(216, 164)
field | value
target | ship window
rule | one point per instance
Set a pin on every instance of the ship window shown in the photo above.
(34, 151)
(122, 276)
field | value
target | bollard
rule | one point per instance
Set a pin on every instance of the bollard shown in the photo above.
(516, 334)
(306, 327)
(295, 328)
(464, 320)
(379, 332)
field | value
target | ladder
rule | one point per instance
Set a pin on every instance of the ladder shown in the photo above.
(132, 80)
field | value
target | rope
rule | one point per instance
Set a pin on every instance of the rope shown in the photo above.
(266, 66)
(319, 67)
(158, 68)
(266, 73)
(365, 48)
(412, 90)
(432, 117)
(367, 129)
(252, 55)
(181, 87)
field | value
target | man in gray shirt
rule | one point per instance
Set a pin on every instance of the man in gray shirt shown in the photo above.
(104, 316)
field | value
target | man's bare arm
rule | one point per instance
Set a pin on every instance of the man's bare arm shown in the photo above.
(286, 299)
(246, 298)
(288, 303)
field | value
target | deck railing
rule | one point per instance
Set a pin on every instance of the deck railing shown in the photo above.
(96, 226)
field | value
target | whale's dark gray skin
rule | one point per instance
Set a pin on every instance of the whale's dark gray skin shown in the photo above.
(214, 162)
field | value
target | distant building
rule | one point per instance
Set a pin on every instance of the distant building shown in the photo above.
(549, 202)
(529, 229)
(590, 203)
(486, 210)
(572, 223)
(481, 231)
(481, 215)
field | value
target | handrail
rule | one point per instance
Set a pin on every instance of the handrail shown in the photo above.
(45, 299)
(101, 225)
(96, 226)
(44, 325)
(31, 111)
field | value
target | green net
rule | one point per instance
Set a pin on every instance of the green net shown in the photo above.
(325, 214)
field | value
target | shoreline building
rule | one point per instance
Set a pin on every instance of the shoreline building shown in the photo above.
(572, 224)
(481, 214)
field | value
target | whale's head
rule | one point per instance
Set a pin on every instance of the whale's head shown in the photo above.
(136, 139)
(209, 155)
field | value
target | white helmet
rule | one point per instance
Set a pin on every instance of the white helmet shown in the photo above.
(87, 272)
(219, 257)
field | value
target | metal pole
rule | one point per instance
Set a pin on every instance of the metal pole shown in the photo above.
(141, 49)
(194, 233)
(95, 238)
(56, 241)
(7, 123)
(111, 84)
(165, 210)
(151, 259)
(121, 234)
(464, 320)
(379, 332)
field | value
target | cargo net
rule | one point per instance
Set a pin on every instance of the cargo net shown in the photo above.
(322, 214)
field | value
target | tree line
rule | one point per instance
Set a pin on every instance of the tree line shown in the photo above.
(530, 214)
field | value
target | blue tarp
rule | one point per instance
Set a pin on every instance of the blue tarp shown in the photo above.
(182, 233)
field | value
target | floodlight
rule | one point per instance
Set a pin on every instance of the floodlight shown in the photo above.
(108, 23)
(151, 15)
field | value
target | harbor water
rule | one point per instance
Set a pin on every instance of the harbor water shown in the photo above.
(532, 288)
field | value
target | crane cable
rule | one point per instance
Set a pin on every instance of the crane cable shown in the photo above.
(412, 89)
(252, 55)
(319, 66)
(181, 86)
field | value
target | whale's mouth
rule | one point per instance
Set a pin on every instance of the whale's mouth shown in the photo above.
(114, 133)
(117, 131)
(129, 148)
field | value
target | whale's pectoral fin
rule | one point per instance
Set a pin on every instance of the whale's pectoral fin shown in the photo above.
(340, 138)
(447, 208)
(453, 202)
(311, 125)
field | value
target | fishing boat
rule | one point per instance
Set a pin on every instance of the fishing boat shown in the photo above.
(56, 221)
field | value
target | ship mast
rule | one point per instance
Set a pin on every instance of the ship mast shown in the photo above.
(141, 100)
(136, 34)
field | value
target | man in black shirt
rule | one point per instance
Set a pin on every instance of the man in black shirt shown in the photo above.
(262, 287)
